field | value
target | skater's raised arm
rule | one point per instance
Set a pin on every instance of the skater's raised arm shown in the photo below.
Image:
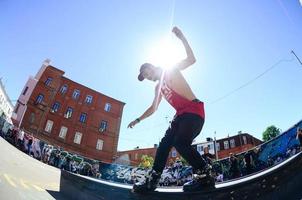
(150, 110)
(190, 60)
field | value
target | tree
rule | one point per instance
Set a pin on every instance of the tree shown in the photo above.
(270, 132)
(184, 162)
(146, 161)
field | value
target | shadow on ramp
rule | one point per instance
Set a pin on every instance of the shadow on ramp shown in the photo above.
(283, 181)
(57, 195)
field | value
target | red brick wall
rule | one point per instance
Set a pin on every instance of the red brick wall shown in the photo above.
(90, 130)
(239, 142)
(235, 150)
(135, 160)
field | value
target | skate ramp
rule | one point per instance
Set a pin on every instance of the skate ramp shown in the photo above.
(283, 181)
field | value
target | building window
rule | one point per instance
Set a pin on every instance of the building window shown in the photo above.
(244, 139)
(88, 99)
(217, 146)
(173, 153)
(232, 143)
(39, 98)
(63, 132)
(25, 90)
(77, 138)
(76, 94)
(83, 117)
(68, 113)
(48, 81)
(199, 148)
(55, 107)
(136, 156)
(226, 144)
(48, 126)
(107, 107)
(63, 89)
(17, 108)
(99, 144)
(103, 126)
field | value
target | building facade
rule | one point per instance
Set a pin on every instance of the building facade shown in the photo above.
(6, 109)
(231, 144)
(205, 147)
(133, 157)
(234, 144)
(67, 114)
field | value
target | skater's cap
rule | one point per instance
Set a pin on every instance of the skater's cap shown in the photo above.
(142, 69)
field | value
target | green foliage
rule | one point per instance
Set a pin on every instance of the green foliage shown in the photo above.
(146, 161)
(184, 162)
(270, 132)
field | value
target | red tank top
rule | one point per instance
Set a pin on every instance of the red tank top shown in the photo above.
(181, 104)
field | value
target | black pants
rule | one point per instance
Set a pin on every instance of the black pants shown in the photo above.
(180, 134)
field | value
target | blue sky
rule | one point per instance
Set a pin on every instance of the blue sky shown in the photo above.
(101, 44)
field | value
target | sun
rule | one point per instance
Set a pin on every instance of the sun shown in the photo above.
(166, 53)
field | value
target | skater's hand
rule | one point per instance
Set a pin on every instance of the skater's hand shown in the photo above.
(132, 124)
(177, 32)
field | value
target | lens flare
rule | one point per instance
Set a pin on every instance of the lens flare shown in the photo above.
(166, 53)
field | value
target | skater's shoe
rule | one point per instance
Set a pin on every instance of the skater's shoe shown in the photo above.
(149, 184)
(201, 180)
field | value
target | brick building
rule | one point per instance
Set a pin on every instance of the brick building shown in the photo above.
(234, 144)
(133, 157)
(69, 115)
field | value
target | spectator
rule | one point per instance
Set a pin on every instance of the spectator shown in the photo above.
(48, 152)
(67, 163)
(234, 169)
(258, 165)
(20, 140)
(8, 134)
(44, 150)
(73, 166)
(29, 144)
(270, 161)
(293, 152)
(288, 153)
(278, 160)
(56, 158)
(219, 177)
(207, 156)
(38, 156)
(61, 161)
(248, 160)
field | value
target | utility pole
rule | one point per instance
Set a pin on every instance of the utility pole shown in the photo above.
(215, 148)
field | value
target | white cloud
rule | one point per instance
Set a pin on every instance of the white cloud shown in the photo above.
(301, 2)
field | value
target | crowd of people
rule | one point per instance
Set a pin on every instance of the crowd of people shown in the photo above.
(50, 154)
(176, 173)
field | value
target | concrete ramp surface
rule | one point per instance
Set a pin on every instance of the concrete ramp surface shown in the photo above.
(283, 181)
